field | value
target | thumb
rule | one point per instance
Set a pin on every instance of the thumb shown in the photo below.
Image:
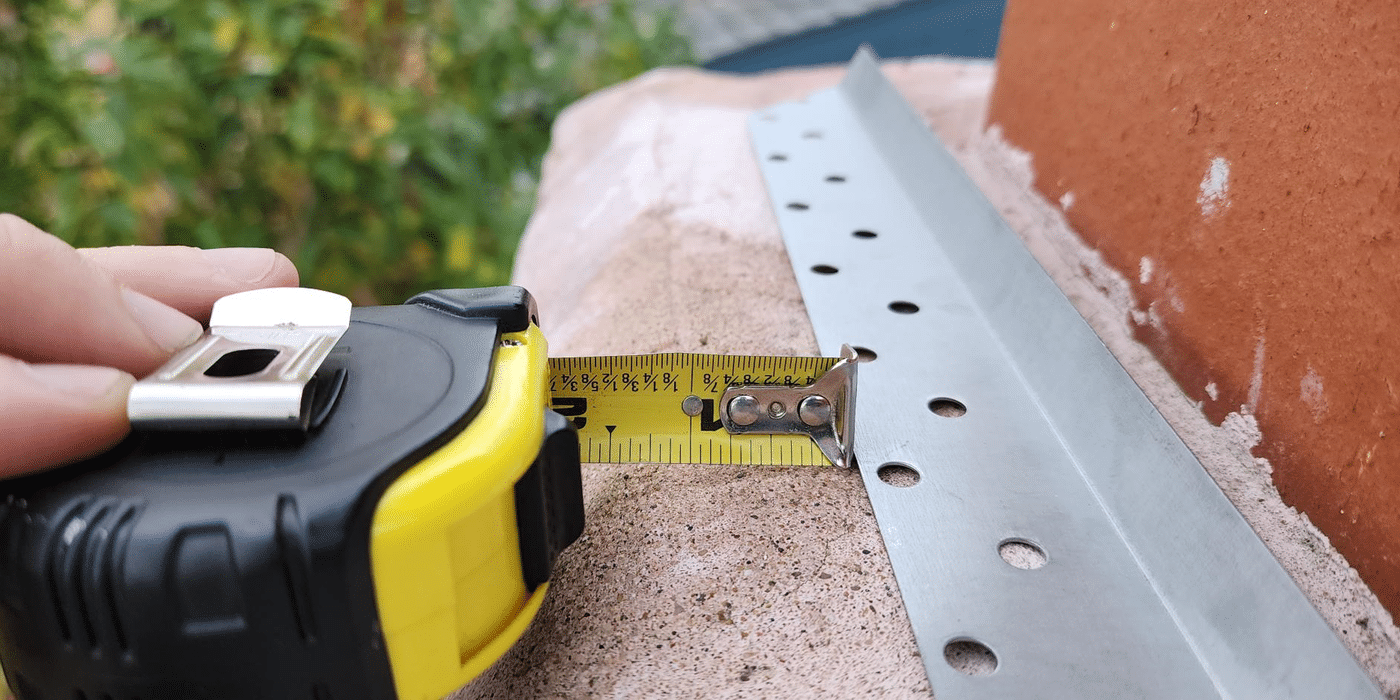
(53, 414)
(56, 306)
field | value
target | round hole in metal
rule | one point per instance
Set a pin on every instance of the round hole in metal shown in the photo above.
(970, 657)
(898, 474)
(946, 407)
(1022, 554)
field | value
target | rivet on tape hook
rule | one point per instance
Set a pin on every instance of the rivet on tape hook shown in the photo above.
(822, 409)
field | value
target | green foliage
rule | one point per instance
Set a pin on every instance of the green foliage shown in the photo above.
(388, 146)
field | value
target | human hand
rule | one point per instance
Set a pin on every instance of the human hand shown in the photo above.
(77, 327)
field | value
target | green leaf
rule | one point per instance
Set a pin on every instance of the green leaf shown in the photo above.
(105, 134)
(301, 122)
(206, 235)
(357, 137)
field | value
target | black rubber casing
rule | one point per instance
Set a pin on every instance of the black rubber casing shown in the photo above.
(235, 565)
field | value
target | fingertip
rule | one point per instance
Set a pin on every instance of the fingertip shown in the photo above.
(279, 273)
(59, 414)
(191, 279)
(83, 382)
(56, 307)
(255, 268)
(284, 273)
(165, 326)
(12, 226)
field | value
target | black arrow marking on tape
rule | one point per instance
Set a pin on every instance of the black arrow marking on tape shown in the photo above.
(708, 423)
(572, 407)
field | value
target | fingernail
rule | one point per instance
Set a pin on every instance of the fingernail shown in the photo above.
(166, 327)
(80, 381)
(243, 264)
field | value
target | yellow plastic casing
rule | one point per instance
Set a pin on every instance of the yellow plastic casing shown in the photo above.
(444, 547)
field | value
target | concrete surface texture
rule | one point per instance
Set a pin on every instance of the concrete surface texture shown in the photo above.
(1238, 163)
(653, 233)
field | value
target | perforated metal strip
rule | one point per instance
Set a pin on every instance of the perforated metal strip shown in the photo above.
(1152, 584)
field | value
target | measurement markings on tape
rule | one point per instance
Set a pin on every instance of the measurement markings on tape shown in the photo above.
(670, 407)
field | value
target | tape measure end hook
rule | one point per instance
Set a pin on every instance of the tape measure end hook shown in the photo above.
(823, 410)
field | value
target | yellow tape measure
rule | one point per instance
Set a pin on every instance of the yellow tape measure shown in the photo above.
(697, 409)
(439, 461)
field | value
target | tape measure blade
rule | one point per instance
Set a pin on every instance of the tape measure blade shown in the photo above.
(630, 408)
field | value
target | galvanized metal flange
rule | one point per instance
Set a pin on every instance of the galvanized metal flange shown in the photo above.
(1036, 507)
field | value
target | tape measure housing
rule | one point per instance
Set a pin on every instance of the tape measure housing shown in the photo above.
(396, 545)
(395, 551)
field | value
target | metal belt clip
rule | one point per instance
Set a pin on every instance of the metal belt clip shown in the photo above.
(823, 410)
(251, 369)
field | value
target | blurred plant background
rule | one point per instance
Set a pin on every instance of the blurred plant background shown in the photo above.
(386, 146)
